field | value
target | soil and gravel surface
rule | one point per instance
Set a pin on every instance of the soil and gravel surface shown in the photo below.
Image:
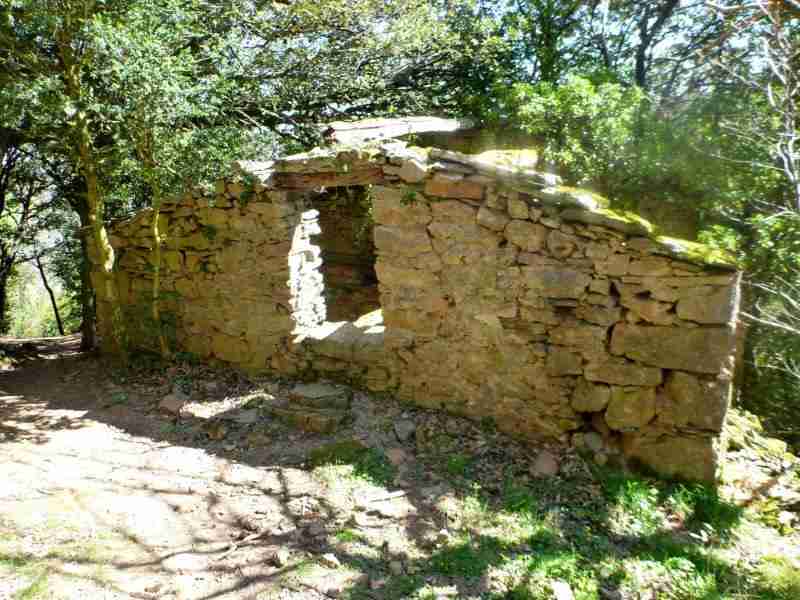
(116, 498)
(180, 483)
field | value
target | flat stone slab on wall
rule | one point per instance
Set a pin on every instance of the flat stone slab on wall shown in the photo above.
(504, 295)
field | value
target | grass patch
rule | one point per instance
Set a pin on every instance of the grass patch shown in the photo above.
(117, 398)
(369, 464)
(37, 589)
(35, 573)
(458, 465)
(781, 580)
(633, 503)
(348, 536)
(700, 505)
(470, 557)
(519, 499)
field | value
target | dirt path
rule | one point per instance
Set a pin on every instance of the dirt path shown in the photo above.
(103, 495)
(94, 502)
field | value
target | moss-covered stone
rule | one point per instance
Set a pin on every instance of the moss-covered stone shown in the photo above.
(696, 252)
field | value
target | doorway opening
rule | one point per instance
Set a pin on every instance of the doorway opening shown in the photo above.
(347, 252)
(334, 284)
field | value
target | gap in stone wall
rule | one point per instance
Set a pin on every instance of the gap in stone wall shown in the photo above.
(347, 251)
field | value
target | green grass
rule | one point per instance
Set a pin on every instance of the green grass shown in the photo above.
(780, 579)
(599, 530)
(457, 465)
(519, 499)
(634, 502)
(117, 398)
(348, 536)
(701, 505)
(368, 464)
(35, 573)
(37, 589)
(470, 557)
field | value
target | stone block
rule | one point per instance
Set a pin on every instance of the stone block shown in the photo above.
(495, 200)
(622, 372)
(421, 324)
(591, 338)
(453, 211)
(399, 206)
(615, 265)
(528, 236)
(452, 186)
(561, 361)
(556, 283)
(599, 315)
(598, 251)
(630, 407)
(311, 420)
(716, 308)
(641, 244)
(692, 458)
(404, 241)
(590, 397)
(534, 315)
(390, 275)
(693, 401)
(518, 208)
(652, 267)
(173, 260)
(649, 310)
(467, 233)
(550, 222)
(230, 348)
(214, 217)
(186, 288)
(701, 350)
(196, 241)
(412, 170)
(493, 219)
(321, 395)
(600, 300)
(560, 245)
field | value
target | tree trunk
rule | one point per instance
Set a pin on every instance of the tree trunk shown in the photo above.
(88, 340)
(50, 293)
(4, 275)
(113, 332)
(156, 291)
(746, 371)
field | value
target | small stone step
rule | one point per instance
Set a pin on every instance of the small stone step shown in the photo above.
(313, 420)
(321, 395)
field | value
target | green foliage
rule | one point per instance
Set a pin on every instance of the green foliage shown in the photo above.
(519, 499)
(117, 398)
(209, 232)
(409, 197)
(635, 500)
(31, 310)
(348, 536)
(457, 465)
(589, 128)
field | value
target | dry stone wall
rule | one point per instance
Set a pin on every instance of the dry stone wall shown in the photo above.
(504, 296)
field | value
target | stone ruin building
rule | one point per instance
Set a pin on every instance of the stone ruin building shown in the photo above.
(472, 283)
